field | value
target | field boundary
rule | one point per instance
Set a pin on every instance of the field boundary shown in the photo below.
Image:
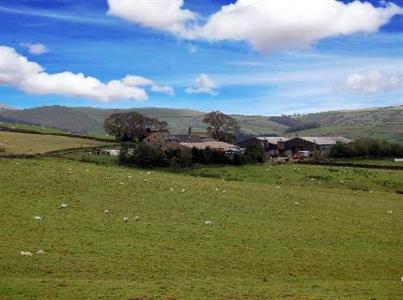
(56, 153)
(347, 164)
(28, 131)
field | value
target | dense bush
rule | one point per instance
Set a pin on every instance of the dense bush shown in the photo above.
(146, 156)
(143, 156)
(255, 153)
(371, 148)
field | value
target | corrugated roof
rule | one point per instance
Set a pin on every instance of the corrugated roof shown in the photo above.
(326, 140)
(210, 144)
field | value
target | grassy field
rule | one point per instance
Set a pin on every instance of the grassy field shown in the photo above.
(21, 143)
(37, 128)
(373, 162)
(272, 235)
(309, 176)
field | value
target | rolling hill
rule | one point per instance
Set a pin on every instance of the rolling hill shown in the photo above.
(386, 123)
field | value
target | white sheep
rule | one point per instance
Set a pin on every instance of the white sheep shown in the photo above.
(390, 212)
(136, 218)
(37, 217)
(126, 219)
(106, 211)
(26, 253)
(40, 252)
(296, 203)
(63, 205)
(208, 223)
(171, 189)
(183, 190)
(216, 189)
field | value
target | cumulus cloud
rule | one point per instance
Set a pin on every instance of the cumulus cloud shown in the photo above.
(132, 80)
(266, 25)
(204, 85)
(372, 82)
(166, 15)
(17, 71)
(35, 48)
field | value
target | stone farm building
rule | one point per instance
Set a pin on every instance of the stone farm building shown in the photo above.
(188, 141)
(275, 146)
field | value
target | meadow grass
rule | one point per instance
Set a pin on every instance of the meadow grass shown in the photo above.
(308, 176)
(336, 243)
(37, 128)
(22, 143)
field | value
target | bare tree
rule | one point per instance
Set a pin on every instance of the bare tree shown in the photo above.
(132, 126)
(221, 126)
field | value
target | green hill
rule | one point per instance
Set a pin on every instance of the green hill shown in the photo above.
(385, 123)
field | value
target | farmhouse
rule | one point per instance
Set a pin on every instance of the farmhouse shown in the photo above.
(188, 141)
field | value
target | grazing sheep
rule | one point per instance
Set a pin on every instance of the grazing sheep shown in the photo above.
(401, 279)
(106, 211)
(63, 205)
(37, 217)
(126, 219)
(277, 187)
(148, 173)
(390, 212)
(26, 253)
(136, 218)
(122, 183)
(208, 223)
(171, 189)
(296, 203)
(216, 189)
(129, 176)
(183, 190)
(40, 252)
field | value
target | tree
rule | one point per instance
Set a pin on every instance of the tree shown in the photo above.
(132, 126)
(221, 126)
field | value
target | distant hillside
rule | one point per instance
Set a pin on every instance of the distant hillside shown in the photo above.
(90, 120)
(386, 123)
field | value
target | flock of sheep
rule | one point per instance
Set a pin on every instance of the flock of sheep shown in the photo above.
(106, 211)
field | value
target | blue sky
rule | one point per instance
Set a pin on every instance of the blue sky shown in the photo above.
(348, 71)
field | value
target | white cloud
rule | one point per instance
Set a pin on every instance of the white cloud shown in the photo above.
(35, 48)
(166, 15)
(266, 25)
(17, 71)
(132, 80)
(372, 82)
(204, 85)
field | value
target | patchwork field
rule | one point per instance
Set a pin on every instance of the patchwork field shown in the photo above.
(274, 234)
(22, 143)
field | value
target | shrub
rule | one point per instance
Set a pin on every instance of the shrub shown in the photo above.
(143, 156)
(255, 153)
(366, 148)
